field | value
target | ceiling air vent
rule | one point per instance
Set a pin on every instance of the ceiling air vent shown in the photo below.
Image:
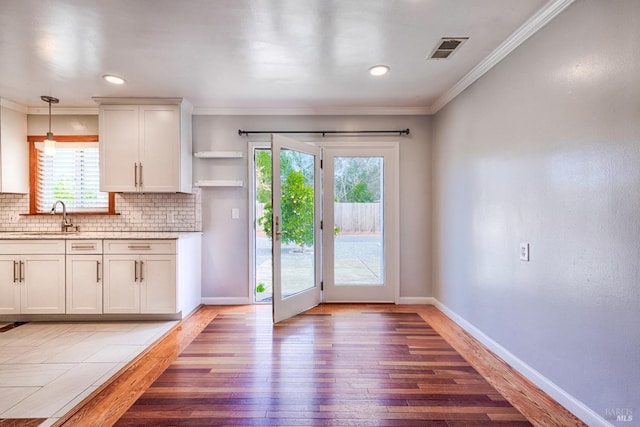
(446, 46)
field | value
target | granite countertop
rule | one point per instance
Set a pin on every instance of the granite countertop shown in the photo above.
(32, 235)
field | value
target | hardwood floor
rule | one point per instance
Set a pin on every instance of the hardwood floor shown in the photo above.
(334, 365)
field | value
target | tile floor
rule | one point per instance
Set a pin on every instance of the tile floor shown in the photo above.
(48, 368)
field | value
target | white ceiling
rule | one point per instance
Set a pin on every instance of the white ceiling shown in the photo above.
(256, 55)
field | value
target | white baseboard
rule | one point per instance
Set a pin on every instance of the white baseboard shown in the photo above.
(417, 300)
(226, 300)
(572, 404)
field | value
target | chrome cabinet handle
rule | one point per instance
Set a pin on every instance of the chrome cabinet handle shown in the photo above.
(139, 247)
(141, 176)
(21, 271)
(135, 271)
(141, 265)
(15, 276)
(98, 271)
(83, 247)
(135, 175)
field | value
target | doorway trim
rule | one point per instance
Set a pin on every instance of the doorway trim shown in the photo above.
(394, 198)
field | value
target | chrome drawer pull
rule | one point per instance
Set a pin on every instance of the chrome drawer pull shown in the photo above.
(83, 247)
(139, 247)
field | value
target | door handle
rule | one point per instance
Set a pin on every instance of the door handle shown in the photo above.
(21, 271)
(97, 271)
(135, 175)
(15, 275)
(135, 271)
(141, 266)
(140, 180)
(277, 228)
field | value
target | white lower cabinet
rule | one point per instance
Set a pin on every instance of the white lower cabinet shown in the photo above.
(84, 276)
(32, 277)
(140, 277)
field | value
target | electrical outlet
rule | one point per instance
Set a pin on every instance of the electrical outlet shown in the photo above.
(524, 251)
(171, 217)
(14, 217)
(136, 216)
(235, 213)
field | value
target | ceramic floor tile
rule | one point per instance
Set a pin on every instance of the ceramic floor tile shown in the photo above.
(10, 396)
(34, 334)
(47, 401)
(76, 353)
(14, 375)
(46, 352)
(105, 327)
(42, 374)
(49, 422)
(69, 406)
(8, 353)
(111, 373)
(115, 353)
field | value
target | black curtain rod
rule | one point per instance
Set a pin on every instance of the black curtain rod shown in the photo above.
(327, 132)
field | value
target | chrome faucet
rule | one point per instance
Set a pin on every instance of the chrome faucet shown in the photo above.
(66, 222)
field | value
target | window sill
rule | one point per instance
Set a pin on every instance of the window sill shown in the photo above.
(72, 214)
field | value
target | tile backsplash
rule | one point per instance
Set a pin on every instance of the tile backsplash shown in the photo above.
(136, 212)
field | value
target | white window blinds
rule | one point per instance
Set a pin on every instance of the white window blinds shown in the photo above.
(71, 175)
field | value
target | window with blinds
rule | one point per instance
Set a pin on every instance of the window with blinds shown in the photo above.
(71, 175)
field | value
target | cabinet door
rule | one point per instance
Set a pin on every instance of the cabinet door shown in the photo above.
(160, 148)
(43, 287)
(158, 284)
(121, 292)
(119, 155)
(84, 284)
(14, 152)
(9, 285)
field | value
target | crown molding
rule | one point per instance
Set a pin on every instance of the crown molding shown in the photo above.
(79, 111)
(345, 111)
(13, 106)
(529, 28)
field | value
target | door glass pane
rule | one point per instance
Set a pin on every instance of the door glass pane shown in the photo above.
(358, 215)
(297, 223)
(263, 277)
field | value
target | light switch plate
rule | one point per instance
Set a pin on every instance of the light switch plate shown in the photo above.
(524, 251)
(235, 213)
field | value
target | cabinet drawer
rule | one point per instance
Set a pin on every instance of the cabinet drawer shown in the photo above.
(84, 246)
(11, 247)
(140, 246)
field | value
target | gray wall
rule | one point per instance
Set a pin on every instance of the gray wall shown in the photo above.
(545, 148)
(226, 241)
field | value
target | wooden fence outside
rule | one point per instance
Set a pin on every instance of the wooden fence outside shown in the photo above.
(349, 217)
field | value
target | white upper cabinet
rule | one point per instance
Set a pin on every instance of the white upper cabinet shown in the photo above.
(14, 151)
(145, 148)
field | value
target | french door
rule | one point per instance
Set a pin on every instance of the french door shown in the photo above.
(360, 240)
(295, 226)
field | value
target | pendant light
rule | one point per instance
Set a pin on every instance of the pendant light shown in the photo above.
(49, 143)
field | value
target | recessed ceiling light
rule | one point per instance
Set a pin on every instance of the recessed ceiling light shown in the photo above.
(114, 79)
(379, 70)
